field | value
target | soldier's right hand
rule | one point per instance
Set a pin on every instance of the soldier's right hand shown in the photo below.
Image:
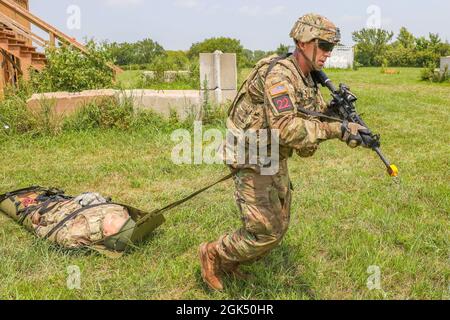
(351, 134)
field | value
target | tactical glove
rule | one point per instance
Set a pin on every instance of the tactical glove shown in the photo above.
(351, 134)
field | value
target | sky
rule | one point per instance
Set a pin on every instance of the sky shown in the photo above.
(259, 24)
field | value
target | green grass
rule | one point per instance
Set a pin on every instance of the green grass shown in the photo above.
(347, 213)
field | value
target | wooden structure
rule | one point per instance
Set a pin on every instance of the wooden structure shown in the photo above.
(19, 45)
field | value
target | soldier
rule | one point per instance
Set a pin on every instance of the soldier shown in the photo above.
(269, 99)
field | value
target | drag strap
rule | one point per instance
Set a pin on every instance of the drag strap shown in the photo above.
(168, 207)
(180, 202)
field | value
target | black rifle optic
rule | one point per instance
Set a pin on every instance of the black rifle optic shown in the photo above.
(343, 104)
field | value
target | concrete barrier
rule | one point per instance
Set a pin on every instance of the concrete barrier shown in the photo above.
(218, 71)
(171, 76)
(445, 61)
(149, 75)
(185, 103)
(66, 103)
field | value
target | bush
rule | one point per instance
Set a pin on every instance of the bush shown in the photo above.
(70, 70)
(106, 113)
(13, 111)
(432, 74)
(172, 60)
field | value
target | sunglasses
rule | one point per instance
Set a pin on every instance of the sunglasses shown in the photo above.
(326, 46)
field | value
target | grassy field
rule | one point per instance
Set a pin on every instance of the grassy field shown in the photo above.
(347, 214)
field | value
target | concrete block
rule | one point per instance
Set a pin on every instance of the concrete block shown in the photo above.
(185, 103)
(445, 61)
(342, 57)
(207, 71)
(219, 71)
(66, 103)
(228, 68)
(149, 75)
(171, 76)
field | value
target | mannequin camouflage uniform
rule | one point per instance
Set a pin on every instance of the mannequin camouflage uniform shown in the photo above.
(268, 100)
(67, 221)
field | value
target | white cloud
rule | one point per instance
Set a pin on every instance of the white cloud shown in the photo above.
(186, 3)
(123, 3)
(352, 19)
(275, 11)
(254, 11)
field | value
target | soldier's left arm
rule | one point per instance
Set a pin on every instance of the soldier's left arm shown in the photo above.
(300, 132)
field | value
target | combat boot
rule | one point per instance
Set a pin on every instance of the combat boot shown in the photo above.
(232, 269)
(210, 265)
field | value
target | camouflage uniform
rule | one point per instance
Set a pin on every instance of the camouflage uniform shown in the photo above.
(83, 230)
(268, 101)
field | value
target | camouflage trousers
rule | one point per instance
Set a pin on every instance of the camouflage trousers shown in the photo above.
(264, 202)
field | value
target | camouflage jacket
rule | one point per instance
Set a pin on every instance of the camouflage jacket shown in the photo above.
(268, 101)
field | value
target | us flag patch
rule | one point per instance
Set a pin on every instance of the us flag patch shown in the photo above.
(278, 90)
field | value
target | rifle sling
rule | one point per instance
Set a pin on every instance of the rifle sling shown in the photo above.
(316, 114)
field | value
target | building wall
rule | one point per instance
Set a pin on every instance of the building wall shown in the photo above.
(341, 58)
(11, 14)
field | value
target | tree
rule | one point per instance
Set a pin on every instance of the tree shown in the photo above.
(172, 60)
(141, 52)
(406, 39)
(371, 45)
(282, 49)
(226, 45)
(121, 53)
(146, 51)
(252, 57)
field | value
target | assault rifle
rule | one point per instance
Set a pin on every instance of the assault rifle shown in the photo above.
(343, 104)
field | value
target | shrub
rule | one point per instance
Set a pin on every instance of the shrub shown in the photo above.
(434, 75)
(105, 113)
(70, 70)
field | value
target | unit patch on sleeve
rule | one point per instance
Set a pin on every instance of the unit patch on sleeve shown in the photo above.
(281, 100)
(283, 103)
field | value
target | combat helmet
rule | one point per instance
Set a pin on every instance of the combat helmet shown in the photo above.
(313, 26)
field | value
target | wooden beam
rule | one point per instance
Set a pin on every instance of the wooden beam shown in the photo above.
(17, 27)
(52, 41)
(51, 30)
